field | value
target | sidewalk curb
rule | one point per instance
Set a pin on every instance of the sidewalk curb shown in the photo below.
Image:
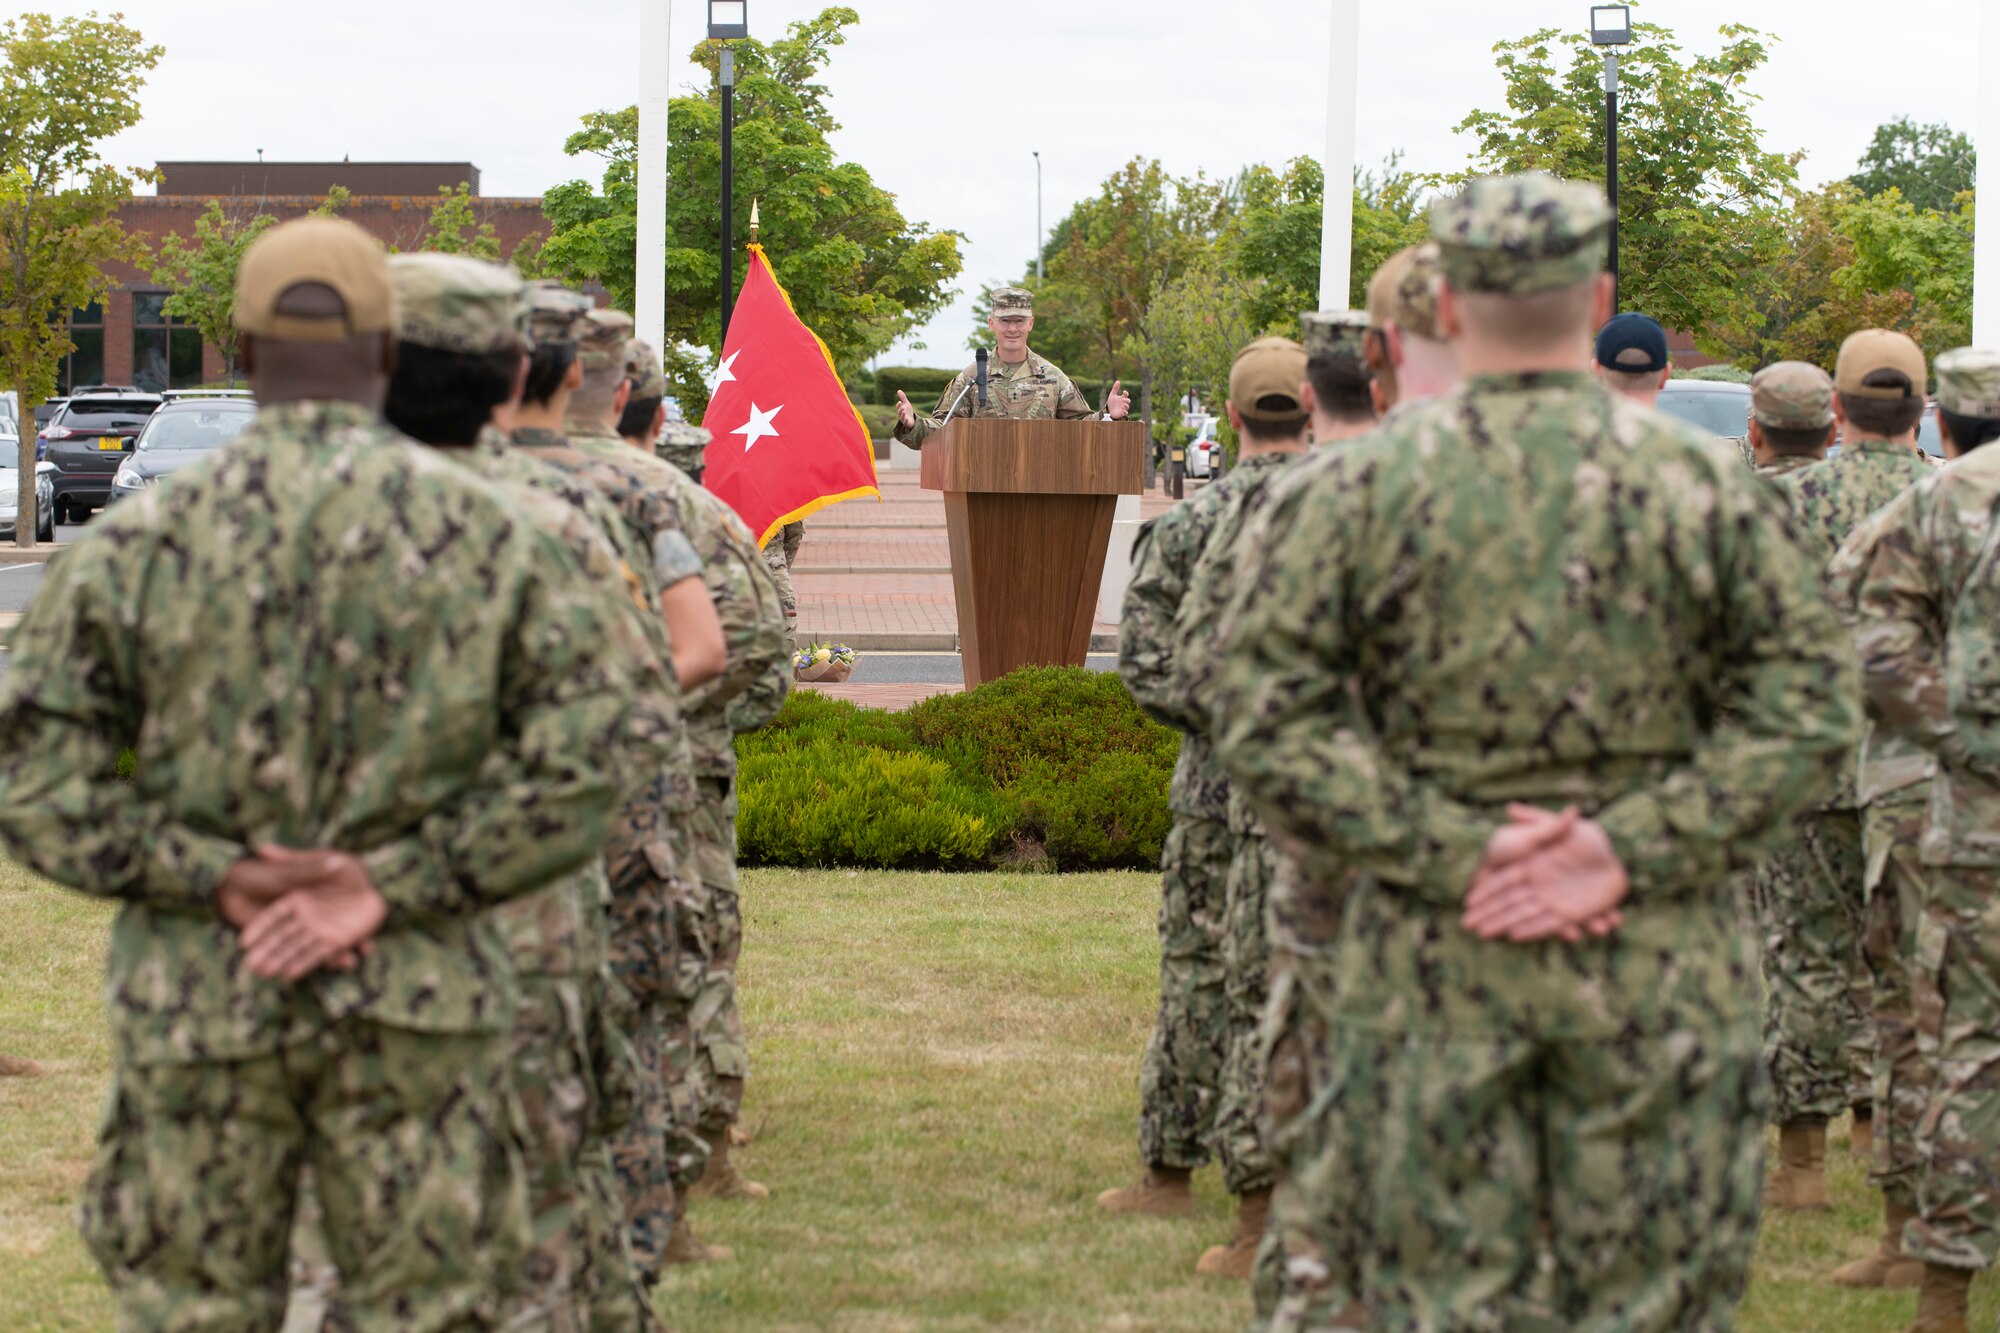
(39, 555)
(877, 641)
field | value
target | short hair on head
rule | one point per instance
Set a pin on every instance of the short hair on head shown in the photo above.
(636, 421)
(447, 398)
(1538, 320)
(1340, 385)
(1885, 416)
(1273, 432)
(1796, 439)
(1629, 381)
(598, 391)
(1968, 433)
(548, 367)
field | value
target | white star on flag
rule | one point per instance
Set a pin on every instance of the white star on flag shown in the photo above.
(726, 374)
(758, 426)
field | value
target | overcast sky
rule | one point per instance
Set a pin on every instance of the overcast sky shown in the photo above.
(945, 101)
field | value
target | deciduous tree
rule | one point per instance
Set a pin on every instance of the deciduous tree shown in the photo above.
(1929, 165)
(201, 272)
(454, 229)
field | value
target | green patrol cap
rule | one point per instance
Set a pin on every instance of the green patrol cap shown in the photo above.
(601, 338)
(1013, 302)
(1968, 382)
(1521, 235)
(1333, 332)
(643, 368)
(456, 304)
(554, 312)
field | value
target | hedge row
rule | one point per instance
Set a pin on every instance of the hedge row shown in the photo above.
(1051, 768)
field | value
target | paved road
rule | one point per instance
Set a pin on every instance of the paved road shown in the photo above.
(934, 668)
(18, 583)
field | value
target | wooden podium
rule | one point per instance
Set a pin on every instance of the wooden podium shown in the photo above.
(1028, 506)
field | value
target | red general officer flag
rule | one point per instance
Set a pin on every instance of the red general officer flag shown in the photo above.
(784, 440)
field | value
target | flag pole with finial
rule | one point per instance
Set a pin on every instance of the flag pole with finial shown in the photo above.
(753, 221)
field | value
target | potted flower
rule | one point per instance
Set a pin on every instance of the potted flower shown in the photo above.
(824, 662)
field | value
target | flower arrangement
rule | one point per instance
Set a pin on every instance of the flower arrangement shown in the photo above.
(824, 661)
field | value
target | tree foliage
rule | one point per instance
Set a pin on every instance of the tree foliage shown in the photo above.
(200, 271)
(1928, 165)
(858, 272)
(454, 229)
(1700, 199)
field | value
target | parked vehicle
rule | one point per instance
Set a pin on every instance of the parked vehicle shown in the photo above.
(181, 432)
(10, 489)
(1203, 449)
(88, 440)
(43, 416)
(1715, 406)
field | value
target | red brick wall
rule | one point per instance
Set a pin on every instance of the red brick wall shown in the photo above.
(397, 221)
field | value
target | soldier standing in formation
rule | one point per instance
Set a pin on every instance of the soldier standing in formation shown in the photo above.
(1020, 384)
(750, 692)
(402, 720)
(1631, 357)
(1808, 892)
(1536, 667)
(1924, 578)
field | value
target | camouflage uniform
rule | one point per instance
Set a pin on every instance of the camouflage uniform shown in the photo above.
(1926, 575)
(1530, 591)
(405, 670)
(573, 1069)
(1813, 888)
(780, 554)
(1180, 1073)
(1033, 390)
(655, 949)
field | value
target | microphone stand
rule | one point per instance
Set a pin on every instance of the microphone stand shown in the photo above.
(978, 382)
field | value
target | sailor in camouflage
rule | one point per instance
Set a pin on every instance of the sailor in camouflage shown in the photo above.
(656, 929)
(463, 345)
(405, 686)
(1925, 576)
(1791, 417)
(1020, 385)
(756, 679)
(1809, 894)
(1478, 660)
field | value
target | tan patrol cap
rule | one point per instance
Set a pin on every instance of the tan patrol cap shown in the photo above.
(1871, 350)
(1792, 395)
(1264, 382)
(1403, 291)
(324, 250)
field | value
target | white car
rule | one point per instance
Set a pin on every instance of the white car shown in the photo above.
(1203, 449)
(10, 489)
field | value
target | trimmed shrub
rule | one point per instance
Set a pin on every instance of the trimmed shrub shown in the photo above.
(923, 384)
(880, 420)
(1715, 374)
(1113, 813)
(1053, 720)
(828, 803)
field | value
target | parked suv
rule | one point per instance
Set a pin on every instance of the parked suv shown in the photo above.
(88, 439)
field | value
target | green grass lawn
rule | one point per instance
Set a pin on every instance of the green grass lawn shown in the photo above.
(944, 1075)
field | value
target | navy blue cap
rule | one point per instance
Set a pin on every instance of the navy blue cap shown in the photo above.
(1628, 333)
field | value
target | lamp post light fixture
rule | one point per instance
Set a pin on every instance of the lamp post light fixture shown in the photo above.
(1611, 28)
(728, 20)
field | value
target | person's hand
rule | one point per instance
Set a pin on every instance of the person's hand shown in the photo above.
(1566, 889)
(264, 876)
(1117, 403)
(905, 414)
(327, 925)
(1528, 829)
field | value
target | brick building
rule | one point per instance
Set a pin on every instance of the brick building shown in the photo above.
(126, 339)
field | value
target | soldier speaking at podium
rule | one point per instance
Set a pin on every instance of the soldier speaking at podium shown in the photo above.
(1022, 386)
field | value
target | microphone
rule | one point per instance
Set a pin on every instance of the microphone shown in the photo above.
(980, 355)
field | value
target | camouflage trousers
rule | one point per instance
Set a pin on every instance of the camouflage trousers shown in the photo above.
(1180, 1075)
(1955, 979)
(779, 554)
(717, 1019)
(416, 1142)
(1246, 963)
(1896, 892)
(653, 953)
(1808, 900)
(1486, 1183)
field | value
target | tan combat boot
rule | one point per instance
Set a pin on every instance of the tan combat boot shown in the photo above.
(1800, 1180)
(1888, 1266)
(1239, 1256)
(1941, 1301)
(1861, 1138)
(1164, 1191)
(739, 1137)
(722, 1180)
(683, 1248)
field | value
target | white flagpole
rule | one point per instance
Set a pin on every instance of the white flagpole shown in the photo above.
(1336, 242)
(1986, 141)
(655, 90)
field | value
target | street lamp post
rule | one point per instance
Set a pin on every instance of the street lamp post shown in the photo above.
(1038, 214)
(1611, 28)
(727, 21)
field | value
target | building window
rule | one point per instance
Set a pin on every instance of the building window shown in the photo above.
(86, 364)
(166, 354)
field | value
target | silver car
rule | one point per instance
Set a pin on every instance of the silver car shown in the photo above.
(10, 489)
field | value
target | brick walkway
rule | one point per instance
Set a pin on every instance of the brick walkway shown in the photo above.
(879, 575)
(893, 697)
